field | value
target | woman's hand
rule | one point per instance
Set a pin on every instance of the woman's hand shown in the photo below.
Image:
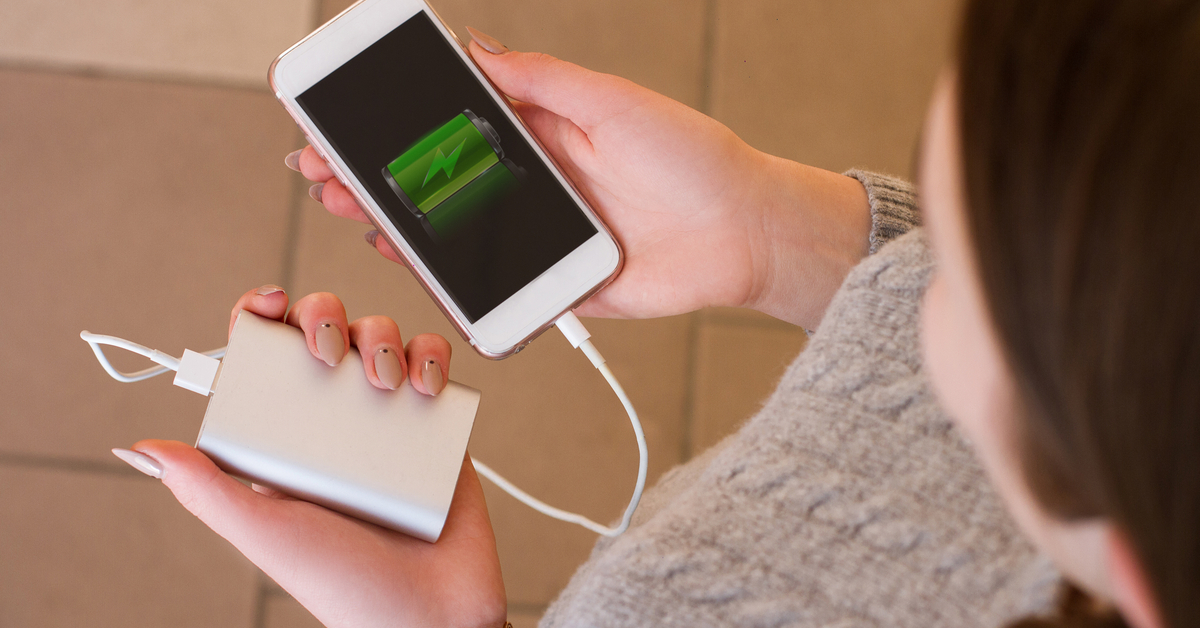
(704, 219)
(347, 572)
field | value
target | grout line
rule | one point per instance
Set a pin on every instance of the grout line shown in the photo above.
(156, 78)
(260, 604)
(291, 234)
(291, 237)
(709, 50)
(75, 465)
(691, 363)
(318, 9)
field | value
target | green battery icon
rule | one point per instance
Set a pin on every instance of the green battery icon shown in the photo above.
(452, 172)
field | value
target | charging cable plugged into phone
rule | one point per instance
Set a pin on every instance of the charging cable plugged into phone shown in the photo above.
(281, 419)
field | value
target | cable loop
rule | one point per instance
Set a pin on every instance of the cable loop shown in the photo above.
(165, 362)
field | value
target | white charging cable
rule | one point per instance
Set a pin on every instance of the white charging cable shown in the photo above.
(197, 372)
(578, 336)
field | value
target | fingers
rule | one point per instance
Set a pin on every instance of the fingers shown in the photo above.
(328, 190)
(338, 200)
(378, 341)
(381, 245)
(313, 167)
(269, 301)
(567, 143)
(227, 506)
(585, 97)
(429, 363)
(322, 317)
(386, 361)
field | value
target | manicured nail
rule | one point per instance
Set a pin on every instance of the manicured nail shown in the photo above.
(268, 289)
(315, 191)
(487, 42)
(431, 376)
(330, 343)
(293, 160)
(387, 368)
(141, 462)
(370, 237)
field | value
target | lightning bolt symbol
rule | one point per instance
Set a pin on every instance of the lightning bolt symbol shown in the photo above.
(442, 162)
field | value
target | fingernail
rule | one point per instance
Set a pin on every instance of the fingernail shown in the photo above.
(268, 289)
(370, 237)
(487, 42)
(293, 160)
(387, 368)
(315, 191)
(330, 344)
(431, 376)
(141, 462)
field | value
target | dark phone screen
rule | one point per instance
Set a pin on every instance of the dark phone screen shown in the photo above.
(425, 139)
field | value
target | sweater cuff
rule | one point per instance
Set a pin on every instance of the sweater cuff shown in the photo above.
(894, 209)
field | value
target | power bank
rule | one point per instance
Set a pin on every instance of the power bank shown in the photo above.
(284, 419)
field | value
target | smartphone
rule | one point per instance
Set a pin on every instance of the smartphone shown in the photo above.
(446, 170)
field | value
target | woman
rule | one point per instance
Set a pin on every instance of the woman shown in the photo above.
(1061, 331)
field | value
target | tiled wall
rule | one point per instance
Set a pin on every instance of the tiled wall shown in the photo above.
(142, 190)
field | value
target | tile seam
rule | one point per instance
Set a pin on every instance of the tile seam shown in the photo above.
(299, 191)
(260, 603)
(156, 78)
(73, 465)
(691, 364)
(291, 233)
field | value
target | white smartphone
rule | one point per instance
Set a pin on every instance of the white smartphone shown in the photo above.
(447, 171)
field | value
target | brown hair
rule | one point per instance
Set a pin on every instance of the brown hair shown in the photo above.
(1080, 124)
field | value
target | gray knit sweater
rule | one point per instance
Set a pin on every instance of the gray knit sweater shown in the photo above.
(848, 500)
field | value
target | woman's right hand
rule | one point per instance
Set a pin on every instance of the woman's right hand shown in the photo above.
(703, 218)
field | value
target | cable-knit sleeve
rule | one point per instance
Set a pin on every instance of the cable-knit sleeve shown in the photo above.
(894, 209)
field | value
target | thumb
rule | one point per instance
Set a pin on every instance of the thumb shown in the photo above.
(582, 96)
(230, 508)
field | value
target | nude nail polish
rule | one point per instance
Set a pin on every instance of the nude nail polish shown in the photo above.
(370, 237)
(431, 376)
(387, 368)
(293, 160)
(315, 191)
(141, 462)
(330, 344)
(487, 42)
(268, 289)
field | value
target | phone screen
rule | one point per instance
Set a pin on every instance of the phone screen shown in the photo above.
(449, 169)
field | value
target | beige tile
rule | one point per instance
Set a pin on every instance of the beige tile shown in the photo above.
(524, 619)
(832, 84)
(283, 611)
(737, 367)
(547, 420)
(113, 549)
(738, 315)
(131, 209)
(655, 44)
(224, 40)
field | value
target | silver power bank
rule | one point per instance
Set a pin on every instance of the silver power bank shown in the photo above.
(284, 419)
